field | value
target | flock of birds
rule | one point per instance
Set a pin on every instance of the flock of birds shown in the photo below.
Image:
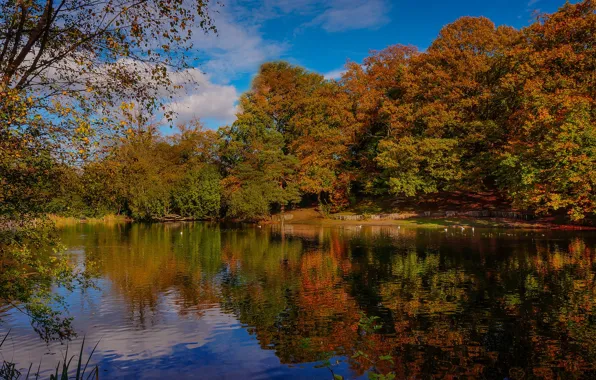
(398, 227)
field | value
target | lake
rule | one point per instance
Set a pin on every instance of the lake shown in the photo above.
(198, 300)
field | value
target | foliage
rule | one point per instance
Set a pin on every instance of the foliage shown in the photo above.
(297, 121)
(68, 70)
(251, 202)
(257, 162)
(26, 163)
(198, 194)
(484, 108)
(31, 265)
(550, 160)
(143, 165)
(419, 166)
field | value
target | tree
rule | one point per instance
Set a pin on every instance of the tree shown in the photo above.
(198, 195)
(261, 174)
(549, 162)
(324, 134)
(375, 89)
(300, 120)
(456, 80)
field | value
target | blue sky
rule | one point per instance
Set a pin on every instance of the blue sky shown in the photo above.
(319, 35)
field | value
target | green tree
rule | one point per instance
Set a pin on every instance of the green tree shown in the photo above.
(198, 195)
(262, 175)
(298, 121)
(416, 166)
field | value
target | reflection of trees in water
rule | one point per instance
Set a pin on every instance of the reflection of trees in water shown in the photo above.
(490, 305)
(147, 262)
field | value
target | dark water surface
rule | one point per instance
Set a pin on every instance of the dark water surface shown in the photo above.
(208, 301)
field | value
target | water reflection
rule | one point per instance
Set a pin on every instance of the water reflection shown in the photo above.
(205, 300)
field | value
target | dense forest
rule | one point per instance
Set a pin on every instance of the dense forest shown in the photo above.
(483, 108)
(82, 117)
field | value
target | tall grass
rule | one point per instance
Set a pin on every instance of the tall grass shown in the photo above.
(8, 370)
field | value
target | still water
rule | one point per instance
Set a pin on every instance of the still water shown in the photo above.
(211, 301)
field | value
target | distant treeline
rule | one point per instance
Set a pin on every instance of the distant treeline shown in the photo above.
(483, 108)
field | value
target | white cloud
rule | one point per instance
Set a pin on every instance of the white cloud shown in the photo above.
(201, 98)
(353, 14)
(238, 47)
(334, 74)
(332, 15)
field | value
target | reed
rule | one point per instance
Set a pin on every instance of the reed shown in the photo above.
(8, 370)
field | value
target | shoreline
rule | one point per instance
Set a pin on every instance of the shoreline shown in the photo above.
(312, 217)
(60, 221)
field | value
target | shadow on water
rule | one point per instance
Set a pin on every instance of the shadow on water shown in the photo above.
(206, 300)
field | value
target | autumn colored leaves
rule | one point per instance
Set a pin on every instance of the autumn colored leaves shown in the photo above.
(484, 107)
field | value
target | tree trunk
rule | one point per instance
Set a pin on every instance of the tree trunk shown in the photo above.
(282, 216)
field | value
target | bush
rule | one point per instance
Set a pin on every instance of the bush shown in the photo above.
(199, 194)
(249, 203)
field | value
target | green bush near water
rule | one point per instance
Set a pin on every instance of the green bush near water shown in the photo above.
(198, 195)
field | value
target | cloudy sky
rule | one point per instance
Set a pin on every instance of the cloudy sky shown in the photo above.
(319, 35)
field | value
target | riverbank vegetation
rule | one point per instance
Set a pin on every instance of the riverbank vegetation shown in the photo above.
(483, 109)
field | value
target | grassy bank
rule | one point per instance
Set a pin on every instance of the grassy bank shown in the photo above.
(62, 221)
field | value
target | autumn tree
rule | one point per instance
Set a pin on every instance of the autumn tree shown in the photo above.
(371, 88)
(428, 119)
(324, 134)
(302, 117)
(406, 157)
(549, 162)
(455, 82)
